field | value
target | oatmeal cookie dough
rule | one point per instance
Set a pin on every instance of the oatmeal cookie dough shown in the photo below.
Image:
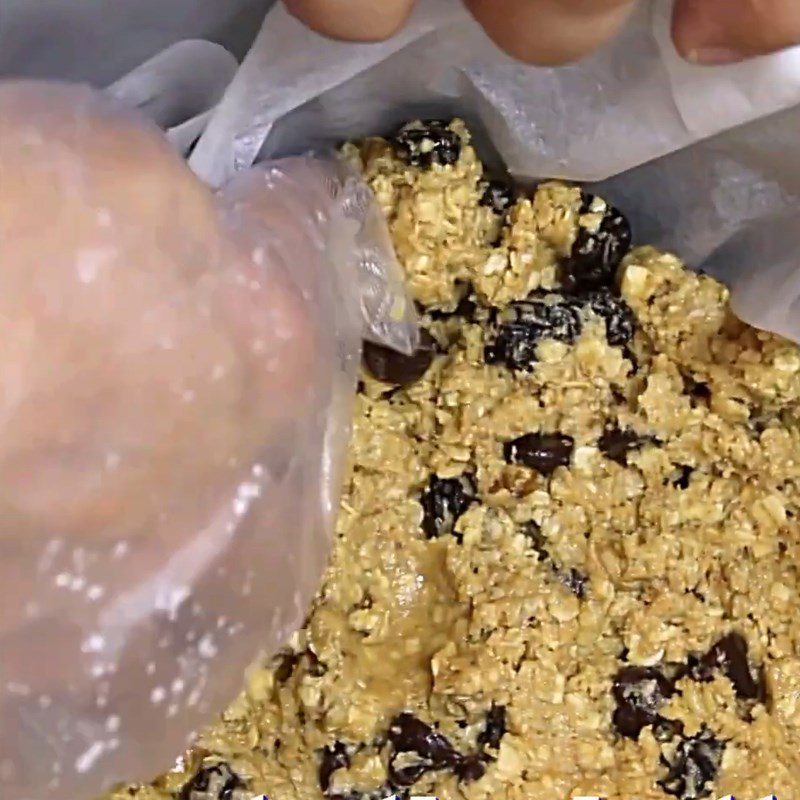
(568, 556)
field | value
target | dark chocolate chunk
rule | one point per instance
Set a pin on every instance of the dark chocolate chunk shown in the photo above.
(433, 750)
(423, 144)
(596, 254)
(640, 692)
(693, 768)
(471, 768)
(217, 782)
(729, 656)
(494, 728)
(616, 443)
(615, 312)
(389, 366)
(331, 758)
(575, 581)
(498, 196)
(543, 452)
(444, 501)
(525, 323)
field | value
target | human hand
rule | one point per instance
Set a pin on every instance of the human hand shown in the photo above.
(551, 32)
(171, 363)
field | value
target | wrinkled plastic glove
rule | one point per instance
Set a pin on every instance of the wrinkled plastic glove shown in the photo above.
(176, 370)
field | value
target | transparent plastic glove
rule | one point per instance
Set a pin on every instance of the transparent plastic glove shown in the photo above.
(176, 372)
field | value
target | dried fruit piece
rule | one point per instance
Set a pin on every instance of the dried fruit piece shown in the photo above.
(525, 323)
(494, 728)
(216, 782)
(598, 248)
(533, 533)
(575, 581)
(682, 476)
(331, 758)
(389, 366)
(729, 656)
(693, 767)
(615, 443)
(429, 750)
(498, 196)
(543, 452)
(424, 143)
(444, 501)
(640, 692)
(615, 312)
(471, 768)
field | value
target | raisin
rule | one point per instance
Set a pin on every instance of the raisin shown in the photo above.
(284, 665)
(494, 729)
(217, 782)
(693, 767)
(422, 144)
(331, 758)
(523, 324)
(615, 312)
(498, 196)
(575, 581)
(543, 452)
(389, 366)
(616, 443)
(533, 532)
(640, 692)
(682, 476)
(444, 501)
(729, 655)
(595, 255)
(471, 768)
(407, 734)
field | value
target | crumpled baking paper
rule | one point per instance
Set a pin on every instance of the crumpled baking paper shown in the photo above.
(704, 161)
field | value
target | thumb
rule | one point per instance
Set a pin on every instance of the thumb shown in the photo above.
(714, 33)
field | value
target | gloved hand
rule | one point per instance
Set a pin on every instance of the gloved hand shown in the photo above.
(558, 31)
(175, 370)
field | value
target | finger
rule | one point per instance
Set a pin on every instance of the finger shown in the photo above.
(353, 20)
(712, 33)
(550, 32)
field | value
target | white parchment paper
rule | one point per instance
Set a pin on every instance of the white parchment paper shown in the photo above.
(705, 161)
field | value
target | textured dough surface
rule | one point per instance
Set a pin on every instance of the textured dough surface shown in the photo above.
(613, 613)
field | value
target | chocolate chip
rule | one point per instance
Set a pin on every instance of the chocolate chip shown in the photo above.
(575, 581)
(433, 751)
(729, 656)
(596, 254)
(693, 767)
(444, 501)
(525, 323)
(494, 728)
(331, 758)
(640, 692)
(543, 452)
(615, 312)
(389, 366)
(471, 768)
(217, 782)
(498, 196)
(616, 443)
(423, 144)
